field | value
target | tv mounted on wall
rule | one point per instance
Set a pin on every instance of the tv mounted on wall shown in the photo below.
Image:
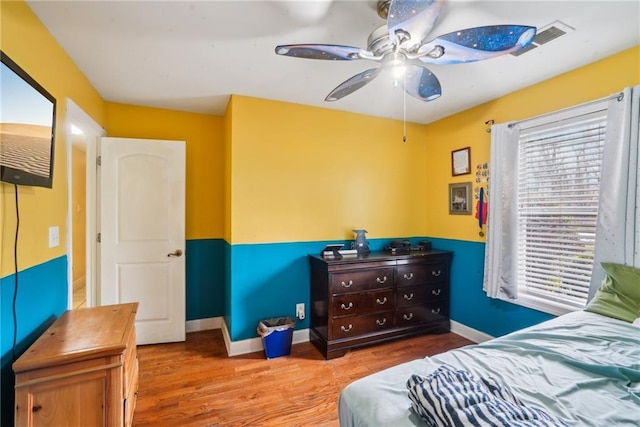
(27, 128)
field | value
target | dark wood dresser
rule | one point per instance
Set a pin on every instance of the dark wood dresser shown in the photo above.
(368, 299)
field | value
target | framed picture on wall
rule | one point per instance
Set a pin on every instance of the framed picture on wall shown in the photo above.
(460, 198)
(461, 161)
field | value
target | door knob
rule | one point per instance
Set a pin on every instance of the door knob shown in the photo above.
(177, 252)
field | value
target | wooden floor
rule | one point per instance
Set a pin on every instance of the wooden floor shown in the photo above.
(79, 295)
(196, 384)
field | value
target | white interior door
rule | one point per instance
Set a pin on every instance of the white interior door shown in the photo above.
(142, 222)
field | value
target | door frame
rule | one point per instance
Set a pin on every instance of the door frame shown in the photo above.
(93, 132)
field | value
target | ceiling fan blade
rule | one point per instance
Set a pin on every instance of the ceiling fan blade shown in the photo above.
(322, 51)
(477, 44)
(351, 85)
(421, 83)
(413, 17)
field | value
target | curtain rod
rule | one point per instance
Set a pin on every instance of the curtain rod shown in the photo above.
(618, 96)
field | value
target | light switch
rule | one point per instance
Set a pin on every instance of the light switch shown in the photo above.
(54, 236)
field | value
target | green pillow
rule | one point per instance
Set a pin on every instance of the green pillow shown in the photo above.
(619, 294)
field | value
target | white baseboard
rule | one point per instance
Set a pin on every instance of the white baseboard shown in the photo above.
(236, 348)
(203, 324)
(469, 333)
(251, 345)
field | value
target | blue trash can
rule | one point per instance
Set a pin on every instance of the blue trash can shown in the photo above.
(277, 334)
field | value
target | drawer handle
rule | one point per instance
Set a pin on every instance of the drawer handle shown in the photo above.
(408, 316)
(384, 300)
(343, 329)
(436, 273)
(408, 277)
(408, 297)
(347, 285)
(436, 291)
(435, 310)
(383, 280)
(36, 408)
(381, 322)
(346, 307)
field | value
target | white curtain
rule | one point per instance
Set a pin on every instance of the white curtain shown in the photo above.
(499, 265)
(616, 231)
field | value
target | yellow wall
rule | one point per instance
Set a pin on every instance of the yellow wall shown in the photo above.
(227, 137)
(25, 40)
(203, 134)
(302, 173)
(467, 128)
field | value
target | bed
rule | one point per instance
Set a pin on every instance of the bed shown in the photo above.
(581, 368)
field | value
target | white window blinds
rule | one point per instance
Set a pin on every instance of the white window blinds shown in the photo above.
(558, 187)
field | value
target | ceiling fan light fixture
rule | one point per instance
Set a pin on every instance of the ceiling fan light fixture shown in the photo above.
(395, 63)
(399, 71)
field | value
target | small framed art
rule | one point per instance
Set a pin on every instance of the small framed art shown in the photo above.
(461, 161)
(460, 198)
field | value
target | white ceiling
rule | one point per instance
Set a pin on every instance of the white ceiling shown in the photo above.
(192, 55)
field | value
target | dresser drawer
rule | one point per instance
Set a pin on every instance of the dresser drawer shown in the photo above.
(357, 281)
(422, 294)
(433, 312)
(351, 326)
(362, 303)
(417, 274)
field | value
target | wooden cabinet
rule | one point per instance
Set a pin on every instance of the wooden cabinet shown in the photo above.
(372, 298)
(83, 371)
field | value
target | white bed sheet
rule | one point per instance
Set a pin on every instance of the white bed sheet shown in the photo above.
(582, 367)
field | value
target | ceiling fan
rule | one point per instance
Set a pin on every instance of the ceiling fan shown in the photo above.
(400, 48)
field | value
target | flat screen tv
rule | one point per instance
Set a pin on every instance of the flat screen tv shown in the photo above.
(27, 128)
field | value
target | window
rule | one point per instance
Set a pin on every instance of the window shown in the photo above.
(557, 196)
(563, 198)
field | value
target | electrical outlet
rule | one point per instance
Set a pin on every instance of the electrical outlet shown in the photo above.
(300, 310)
(54, 237)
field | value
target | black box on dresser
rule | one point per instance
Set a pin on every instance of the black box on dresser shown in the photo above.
(368, 299)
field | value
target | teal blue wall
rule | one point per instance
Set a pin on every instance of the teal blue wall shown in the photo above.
(267, 280)
(41, 298)
(227, 285)
(205, 278)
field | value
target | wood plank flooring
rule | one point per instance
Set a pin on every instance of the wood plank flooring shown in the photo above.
(196, 384)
